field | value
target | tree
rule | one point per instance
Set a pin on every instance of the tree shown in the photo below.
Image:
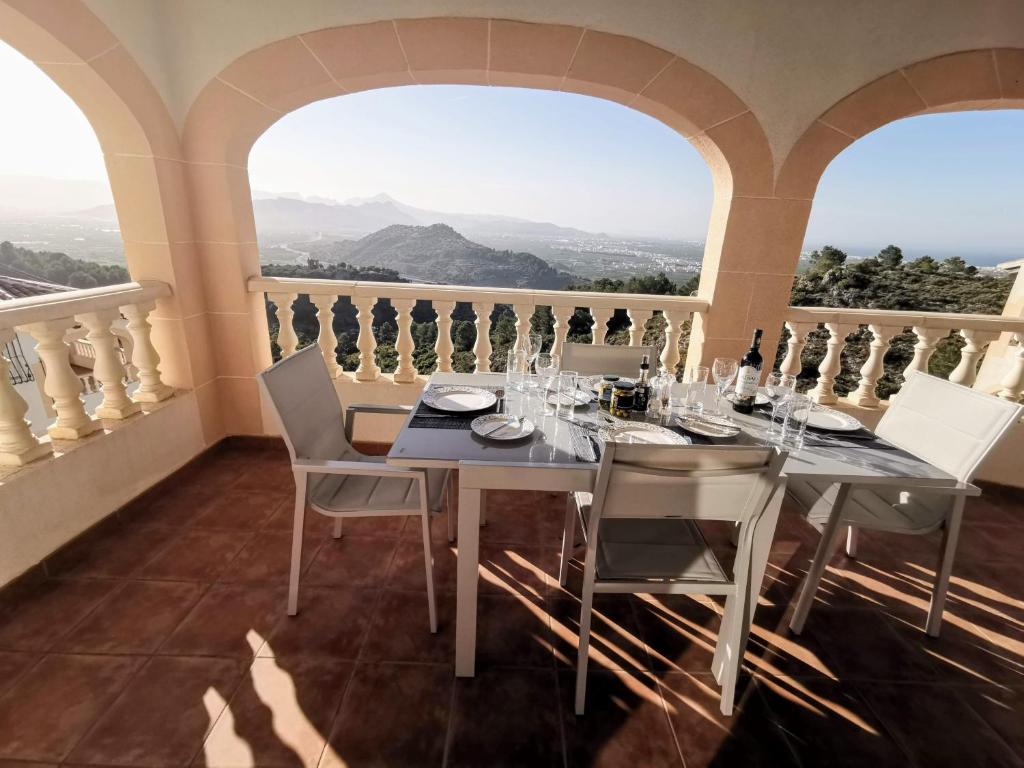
(828, 258)
(890, 257)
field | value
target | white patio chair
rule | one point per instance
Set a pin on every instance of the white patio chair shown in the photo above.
(331, 476)
(949, 426)
(595, 359)
(641, 536)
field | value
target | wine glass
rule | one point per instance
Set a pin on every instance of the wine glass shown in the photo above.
(547, 367)
(724, 370)
(778, 387)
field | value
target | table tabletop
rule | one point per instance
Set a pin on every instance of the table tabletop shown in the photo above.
(550, 446)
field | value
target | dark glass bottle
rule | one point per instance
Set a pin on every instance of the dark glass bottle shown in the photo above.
(748, 377)
(642, 392)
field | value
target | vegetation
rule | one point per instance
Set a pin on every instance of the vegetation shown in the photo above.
(57, 268)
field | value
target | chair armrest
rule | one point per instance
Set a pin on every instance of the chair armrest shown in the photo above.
(332, 467)
(386, 410)
(960, 489)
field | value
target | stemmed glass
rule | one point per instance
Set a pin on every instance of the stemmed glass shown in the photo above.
(778, 387)
(724, 370)
(531, 346)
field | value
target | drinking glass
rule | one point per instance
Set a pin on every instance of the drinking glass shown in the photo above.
(794, 421)
(515, 369)
(696, 381)
(547, 368)
(724, 370)
(566, 397)
(778, 387)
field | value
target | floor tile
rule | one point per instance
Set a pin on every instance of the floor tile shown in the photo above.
(625, 721)
(615, 641)
(197, 555)
(315, 525)
(512, 631)
(400, 630)
(706, 737)
(406, 570)
(680, 632)
(332, 621)
(134, 619)
(266, 558)
(936, 728)
(170, 504)
(392, 715)
(12, 665)
(163, 715)
(1002, 709)
(37, 618)
(50, 708)
(230, 620)
(268, 475)
(382, 527)
(352, 561)
(279, 716)
(516, 569)
(120, 552)
(239, 509)
(524, 517)
(495, 709)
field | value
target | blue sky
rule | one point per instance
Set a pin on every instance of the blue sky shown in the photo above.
(943, 184)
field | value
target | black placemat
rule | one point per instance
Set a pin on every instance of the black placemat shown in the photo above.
(426, 417)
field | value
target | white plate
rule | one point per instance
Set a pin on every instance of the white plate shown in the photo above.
(458, 399)
(759, 398)
(832, 420)
(489, 427)
(709, 426)
(579, 398)
(641, 432)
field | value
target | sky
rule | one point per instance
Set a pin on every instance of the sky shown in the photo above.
(943, 184)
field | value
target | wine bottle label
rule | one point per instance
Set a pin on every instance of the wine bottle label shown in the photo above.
(746, 381)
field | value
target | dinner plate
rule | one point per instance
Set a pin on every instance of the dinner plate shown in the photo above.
(641, 432)
(759, 398)
(832, 420)
(459, 399)
(709, 426)
(496, 426)
(579, 398)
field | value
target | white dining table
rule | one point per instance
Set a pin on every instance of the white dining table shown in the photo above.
(546, 461)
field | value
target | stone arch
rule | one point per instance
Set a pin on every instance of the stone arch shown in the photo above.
(142, 153)
(989, 78)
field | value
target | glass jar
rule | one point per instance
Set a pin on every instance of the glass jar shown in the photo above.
(604, 391)
(623, 394)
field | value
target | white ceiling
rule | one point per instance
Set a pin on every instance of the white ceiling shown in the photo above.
(788, 59)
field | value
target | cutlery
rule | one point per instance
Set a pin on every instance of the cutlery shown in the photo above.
(512, 422)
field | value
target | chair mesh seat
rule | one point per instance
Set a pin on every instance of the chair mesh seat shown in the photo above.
(879, 508)
(655, 550)
(344, 493)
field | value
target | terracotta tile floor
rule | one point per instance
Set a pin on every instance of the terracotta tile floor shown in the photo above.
(160, 639)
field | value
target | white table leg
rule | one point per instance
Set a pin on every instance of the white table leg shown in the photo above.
(466, 584)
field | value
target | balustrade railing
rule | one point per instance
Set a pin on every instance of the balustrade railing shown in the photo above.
(54, 322)
(929, 328)
(282, 293)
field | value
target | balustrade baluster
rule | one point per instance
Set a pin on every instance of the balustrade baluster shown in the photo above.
(62, 383)
(561, 326)
(108, 369)
(444, 347)
(599, 329)
(327, 339)
(368, 369)
(673, 328)
(637, 325)
(798, 333)
(873, 367)
(967, 371)
(18, 445)
(406, 371)
(1012, 384)
(151, 387)
(524, 313)
(927, 338)
(482, 347)
(286, 338)
(832, 364)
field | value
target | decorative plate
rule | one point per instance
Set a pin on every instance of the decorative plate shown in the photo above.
(499, 426)
(832, 420)
(459, 399)
(641, 432)
(759, 398)
(709, 426)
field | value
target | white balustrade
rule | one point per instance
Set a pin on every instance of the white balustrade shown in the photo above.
(286, 338)
(927, 339)
(967, 371)
(405, 372)
(326, 339)
(108, 368)
(482, 348)
(673, 328)
(62, 383)
(524, 314)
(365, 342)
(144, 355)
(18, 445)
(1012, 384)
(561, 315)
(832, 364)
(637, 325)
(599, 329)
(873, 367)
(444, 346)
(798, 333)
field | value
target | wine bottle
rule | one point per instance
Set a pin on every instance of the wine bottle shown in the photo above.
(748, 377)
(642, 393)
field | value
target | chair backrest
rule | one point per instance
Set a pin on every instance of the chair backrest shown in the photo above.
(615, 359)
(946, 424)
(719, 482)
(302, 395)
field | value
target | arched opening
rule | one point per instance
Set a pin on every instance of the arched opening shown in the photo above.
(480, 187)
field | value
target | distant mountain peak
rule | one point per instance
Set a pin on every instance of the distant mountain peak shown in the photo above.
(380, 197)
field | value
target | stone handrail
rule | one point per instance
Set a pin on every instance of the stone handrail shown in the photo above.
(283, 292)
(48, 320)
(978, 331)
